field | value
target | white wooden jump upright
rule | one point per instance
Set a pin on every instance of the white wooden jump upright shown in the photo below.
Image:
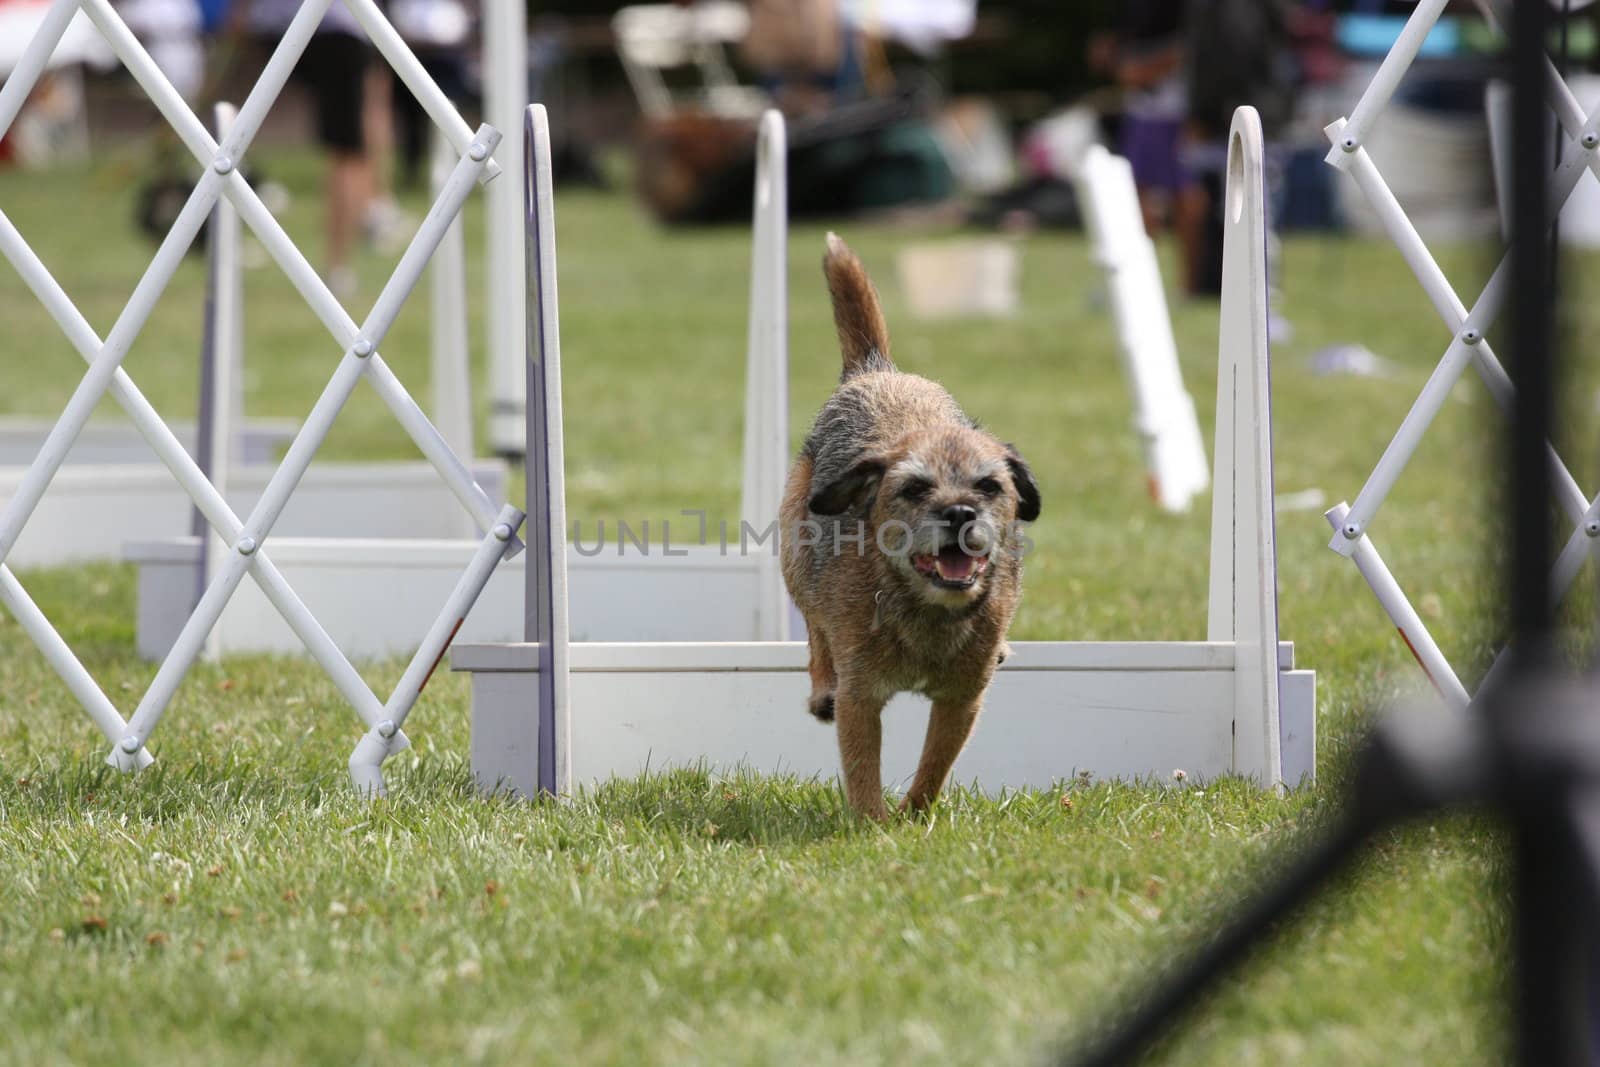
(1468, 346)
(551, 715)
(249, 538)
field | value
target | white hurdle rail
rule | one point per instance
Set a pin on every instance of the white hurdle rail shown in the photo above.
(1469, 345)
(552, 715)
(372, 594)
(1163, 411)
(248, 538)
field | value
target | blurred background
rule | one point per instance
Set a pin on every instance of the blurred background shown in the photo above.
(977, 111)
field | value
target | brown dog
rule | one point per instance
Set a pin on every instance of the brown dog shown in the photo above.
(902, 549)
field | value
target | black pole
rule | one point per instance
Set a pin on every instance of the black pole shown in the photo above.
(1532, 279)
(1548, 950)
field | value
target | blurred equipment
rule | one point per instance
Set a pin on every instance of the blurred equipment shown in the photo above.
(874, 154)
(1050, 153)
(52, 124)
(921, 25)
(850, 150)
(170, 32)
(1163, 411)
(973, 134)
(1352, 360)
(960, 278)
(655, 38)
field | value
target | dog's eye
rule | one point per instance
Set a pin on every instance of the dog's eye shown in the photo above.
(988, 486)
(916, 489)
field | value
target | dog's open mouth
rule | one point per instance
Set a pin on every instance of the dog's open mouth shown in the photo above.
(952, 568)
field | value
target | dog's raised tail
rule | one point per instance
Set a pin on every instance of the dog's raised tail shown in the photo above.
(863, 335)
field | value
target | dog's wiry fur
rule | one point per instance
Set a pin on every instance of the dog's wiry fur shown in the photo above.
(892, 448)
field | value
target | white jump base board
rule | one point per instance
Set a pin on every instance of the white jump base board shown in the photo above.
(1116, 710)
(259, 441)
(377, 597)
(90, 511)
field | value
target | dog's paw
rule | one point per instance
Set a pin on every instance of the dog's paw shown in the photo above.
(915, 807)
(1003, 655)
(821, 705)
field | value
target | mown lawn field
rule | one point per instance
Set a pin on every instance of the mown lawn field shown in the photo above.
(238, 904)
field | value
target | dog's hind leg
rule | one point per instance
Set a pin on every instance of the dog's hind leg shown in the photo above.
(950, 723)
(860, 751)
(823, 678)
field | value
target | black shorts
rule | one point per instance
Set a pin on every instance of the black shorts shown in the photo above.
(334, 68)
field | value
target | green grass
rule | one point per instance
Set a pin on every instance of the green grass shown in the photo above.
(237, 903)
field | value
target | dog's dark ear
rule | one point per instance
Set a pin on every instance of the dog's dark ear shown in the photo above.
(1027, 488)
(849, 489)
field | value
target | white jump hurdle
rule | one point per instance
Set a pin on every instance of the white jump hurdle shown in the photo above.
(551, 715)
(1468, 346)
(372, 592)
(250, 540)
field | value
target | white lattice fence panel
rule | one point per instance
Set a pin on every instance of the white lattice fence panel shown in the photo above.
(1468, 327)
(247, 537)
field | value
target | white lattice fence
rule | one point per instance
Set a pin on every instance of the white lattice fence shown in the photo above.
(247, 537)
(1468, 345)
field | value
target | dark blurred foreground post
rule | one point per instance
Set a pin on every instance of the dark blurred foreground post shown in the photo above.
(1529, 749)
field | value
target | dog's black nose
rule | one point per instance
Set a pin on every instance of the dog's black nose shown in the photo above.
(958, 515)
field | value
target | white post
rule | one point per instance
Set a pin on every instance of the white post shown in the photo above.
(766, 406)
(505, 34)
(1163, 411)
(1244, 595)
(451, 366)
(227, 363)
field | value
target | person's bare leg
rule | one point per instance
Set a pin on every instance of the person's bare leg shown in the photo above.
(1189, 223)
(377, 127)
(1152, 204)
(349, 190)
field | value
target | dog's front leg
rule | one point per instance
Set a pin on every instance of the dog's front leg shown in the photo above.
(823, 678)
(950, 723)
(860, 726)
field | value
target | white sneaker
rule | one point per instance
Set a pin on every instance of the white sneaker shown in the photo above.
(386, 227)
(342, 282)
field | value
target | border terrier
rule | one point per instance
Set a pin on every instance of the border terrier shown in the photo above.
(905, 556)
